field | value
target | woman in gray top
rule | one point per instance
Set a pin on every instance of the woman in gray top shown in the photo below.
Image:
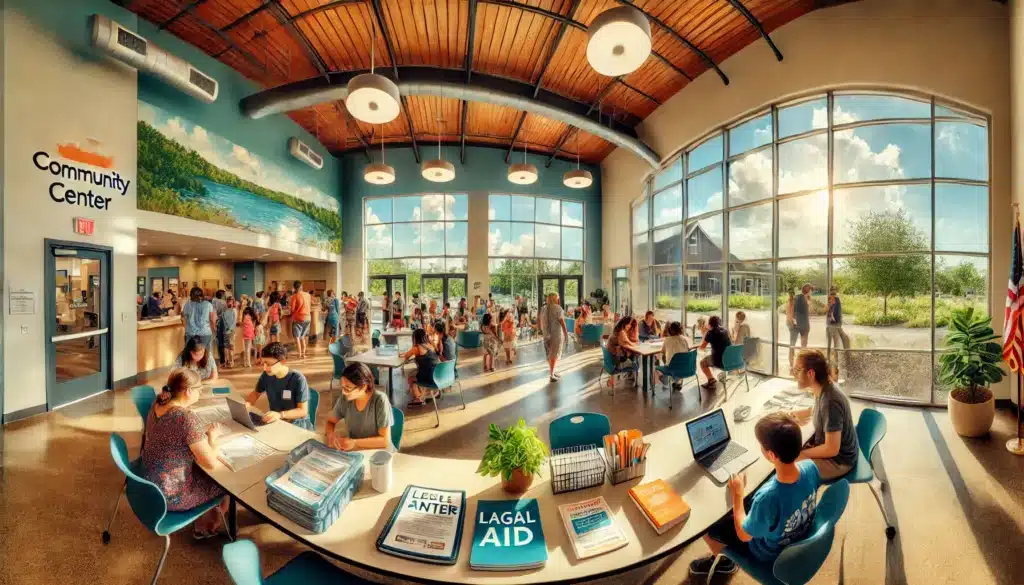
(198, 317)
(366, 412)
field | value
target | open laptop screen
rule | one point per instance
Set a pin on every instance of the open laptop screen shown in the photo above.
(707, 432)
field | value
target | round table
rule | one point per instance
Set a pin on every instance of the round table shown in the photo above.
(352, 538)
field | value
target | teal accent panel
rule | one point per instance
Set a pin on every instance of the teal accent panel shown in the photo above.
(485, 171)
(246, 285)
(260, 276)
(164, 272)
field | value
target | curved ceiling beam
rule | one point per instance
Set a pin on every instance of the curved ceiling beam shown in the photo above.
(450, 83)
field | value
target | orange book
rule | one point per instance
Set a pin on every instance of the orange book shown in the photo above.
(660, 504)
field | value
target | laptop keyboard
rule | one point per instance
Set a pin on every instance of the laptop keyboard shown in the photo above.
(716, 461)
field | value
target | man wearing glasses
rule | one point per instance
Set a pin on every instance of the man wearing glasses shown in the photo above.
(287, 390)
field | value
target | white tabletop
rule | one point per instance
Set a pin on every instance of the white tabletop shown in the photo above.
(371, 358)
(403, 332)
(649, 348)
(352, 538)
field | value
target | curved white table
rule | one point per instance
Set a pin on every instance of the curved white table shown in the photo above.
(352, 538)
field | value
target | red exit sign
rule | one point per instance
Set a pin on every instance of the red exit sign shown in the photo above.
(84, 226)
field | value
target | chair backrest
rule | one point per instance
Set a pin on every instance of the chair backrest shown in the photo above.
(314, 402)
(609, 364)
(242, 560)
(732, 359)
(396, 429)
(799, 562)
(143, 397)
(592, 333)
(570, 324)
(335, 350)
(579, 428)
(346, 344)
(146, 499)
(751, 346)
(444, 375)
(871, 427)
(683, 364)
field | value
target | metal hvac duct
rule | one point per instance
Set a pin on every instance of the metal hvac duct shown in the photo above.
(446, 83)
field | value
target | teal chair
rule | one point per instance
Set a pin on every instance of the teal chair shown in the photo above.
(444, 379)
(468, 339)
(396, 428)
(314, 402)
(570, 325)
(591, 334)
(242, 560)
(681, 367)
(579, 428)
(611, 367)
(338, 356)
(732, 361)
(798, 562)
(149, 503)
(871, 428)
(375, 338)
(143, 397)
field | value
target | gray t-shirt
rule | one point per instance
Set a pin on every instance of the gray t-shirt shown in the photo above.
(197, 318)
(832, 413)
(550, 318)
(801, 313)
(230, 318)
(365, 423)
(285, 393)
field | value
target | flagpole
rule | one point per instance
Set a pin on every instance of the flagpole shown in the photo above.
(1016, 446)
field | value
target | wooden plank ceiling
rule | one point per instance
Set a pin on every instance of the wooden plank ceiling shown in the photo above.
(274, 42)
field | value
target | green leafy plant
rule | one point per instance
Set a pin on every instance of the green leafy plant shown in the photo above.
(972, 362)
(517, 447)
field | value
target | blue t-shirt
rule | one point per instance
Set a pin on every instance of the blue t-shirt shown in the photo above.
(286, 393)
(782, 513)
(197, 318)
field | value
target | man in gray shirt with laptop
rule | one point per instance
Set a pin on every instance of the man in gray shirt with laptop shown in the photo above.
(833, 447)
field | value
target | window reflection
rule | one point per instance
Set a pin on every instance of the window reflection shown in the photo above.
(78, 292)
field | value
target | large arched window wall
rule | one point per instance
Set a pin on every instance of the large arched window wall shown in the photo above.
(883, 196)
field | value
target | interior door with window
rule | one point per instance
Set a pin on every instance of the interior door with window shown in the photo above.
(568, 288)
(385, 285)
(77, 310)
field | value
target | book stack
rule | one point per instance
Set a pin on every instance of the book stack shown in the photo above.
(425, 526)
(314, 485)
(508, 536)
(661, 505)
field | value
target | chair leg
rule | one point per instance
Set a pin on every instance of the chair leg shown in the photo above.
(746, 381)
(332, 383)
(163, 557)
(437, 413)
(890, 530)
(113, 514)
(462, 394)
(224, 521)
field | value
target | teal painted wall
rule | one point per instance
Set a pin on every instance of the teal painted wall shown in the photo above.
(253, 281)
(485, 172)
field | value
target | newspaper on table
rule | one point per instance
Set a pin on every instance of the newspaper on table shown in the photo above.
(794, 399)
(309, 480)
(242, 451)
(426, 525)
(211, 415)
(591, 527)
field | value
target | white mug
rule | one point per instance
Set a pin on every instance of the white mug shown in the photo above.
(380, 471)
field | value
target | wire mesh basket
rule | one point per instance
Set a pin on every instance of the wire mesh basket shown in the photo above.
(576, 468)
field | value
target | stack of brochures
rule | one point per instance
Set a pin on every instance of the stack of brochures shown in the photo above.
(314, 485)
(241, 451)
(591, 528)
(425, 526)
(508, 536)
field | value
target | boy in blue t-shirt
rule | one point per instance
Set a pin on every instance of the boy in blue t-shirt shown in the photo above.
(781, 511)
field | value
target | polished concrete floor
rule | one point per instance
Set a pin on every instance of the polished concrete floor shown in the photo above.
(958, 503)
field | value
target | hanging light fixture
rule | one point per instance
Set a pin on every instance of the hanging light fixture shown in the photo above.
(522, 173)
(379, 173)
(579, 178)
(438, 170)
(620, 41)
(373, 98)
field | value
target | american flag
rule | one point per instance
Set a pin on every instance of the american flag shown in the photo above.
(1012, 334)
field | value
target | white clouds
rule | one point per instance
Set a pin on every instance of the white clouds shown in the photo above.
(750, 178)
(500, 246)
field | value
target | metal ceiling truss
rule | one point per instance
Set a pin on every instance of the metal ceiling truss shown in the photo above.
(468, 66)
(757, 25)
(379, 15)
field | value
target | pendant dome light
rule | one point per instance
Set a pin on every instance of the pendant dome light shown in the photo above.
(438, 170)
(379, 173)
(522, 173)
(373, 98)
(620, 41)
(579, 178)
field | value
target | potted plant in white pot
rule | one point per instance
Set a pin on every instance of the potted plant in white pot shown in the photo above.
(969, 365)
(516, 454)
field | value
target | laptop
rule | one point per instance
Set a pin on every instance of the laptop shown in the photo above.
(713, 447)
(241, 415)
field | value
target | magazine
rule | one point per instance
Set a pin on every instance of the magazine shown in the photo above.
(591, 528)
(312, 476)
(508, 536)
(426, 525)
(242, 451)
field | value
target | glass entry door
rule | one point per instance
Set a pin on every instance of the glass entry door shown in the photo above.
(77, 307)
(379, 287)
(568, 288)
(620, 290)
(443, 288)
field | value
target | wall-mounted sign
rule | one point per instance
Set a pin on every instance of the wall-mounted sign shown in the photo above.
(75, 182)
(84, 226)
(22, 302)
(141, 286)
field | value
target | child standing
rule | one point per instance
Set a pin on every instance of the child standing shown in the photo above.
(248, 334)
(230, 318)
(274, 316)
(508, 336)
(260, 341)
(490, 341)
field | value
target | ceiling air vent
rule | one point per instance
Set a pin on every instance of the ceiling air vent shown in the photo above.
(299, 150)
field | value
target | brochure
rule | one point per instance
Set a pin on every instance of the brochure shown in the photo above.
(211, 415)
(508, 536)
(242, 451)
(425, 526)
(309, 480)
(591, 528)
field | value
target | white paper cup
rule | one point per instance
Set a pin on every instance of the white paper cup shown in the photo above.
(380, 471)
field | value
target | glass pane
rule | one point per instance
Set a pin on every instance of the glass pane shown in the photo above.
(750, 293)
(889, 374)
(456, 238)
(378, 241)
(803, 164)
(376, 267)
(378, 211)
(407, 208)
(549, 241)
(704, 192)
(432, 235)
(499, 238)
(885, 301)
(498, 208)
(572, 243)
(573, 267)
(433, 207)
(859, 108)
(894, 218)
(709, 152)
(457, 207)
(522, 240)
(961, 218)
(961, 151)
(572, 292)
(77, 358)
(704, 240)
(640, 249)
(803, 117)
(884, 152)
(945, 112)
(673, 173)
(456, 290)
(668, 206)
(572, 214)
(668, 245)
(794, 329)
(668, 294)
(407, 239)
(455, 265)
(750, 178)
(960, 282)
(500, 286)
(640, 218)
(432, 265)
(78, 291)
(522, 208)
(803, 225)
(749, 135)
(750, 232)
(549, 267)
(703, 285)
(549, 286)
(549, 210)
(641, 292)
(524, 285)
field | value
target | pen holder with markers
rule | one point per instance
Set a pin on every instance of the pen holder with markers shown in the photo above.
(627, 473)
(626, 452)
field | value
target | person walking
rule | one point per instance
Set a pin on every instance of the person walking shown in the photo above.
(199, 318)
(551, 320)
(219, 304)
(300, 305)
(362, 308)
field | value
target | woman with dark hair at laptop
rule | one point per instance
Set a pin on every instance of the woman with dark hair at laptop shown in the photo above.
(196, 358)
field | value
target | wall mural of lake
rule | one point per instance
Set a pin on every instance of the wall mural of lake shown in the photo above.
(185, 170)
